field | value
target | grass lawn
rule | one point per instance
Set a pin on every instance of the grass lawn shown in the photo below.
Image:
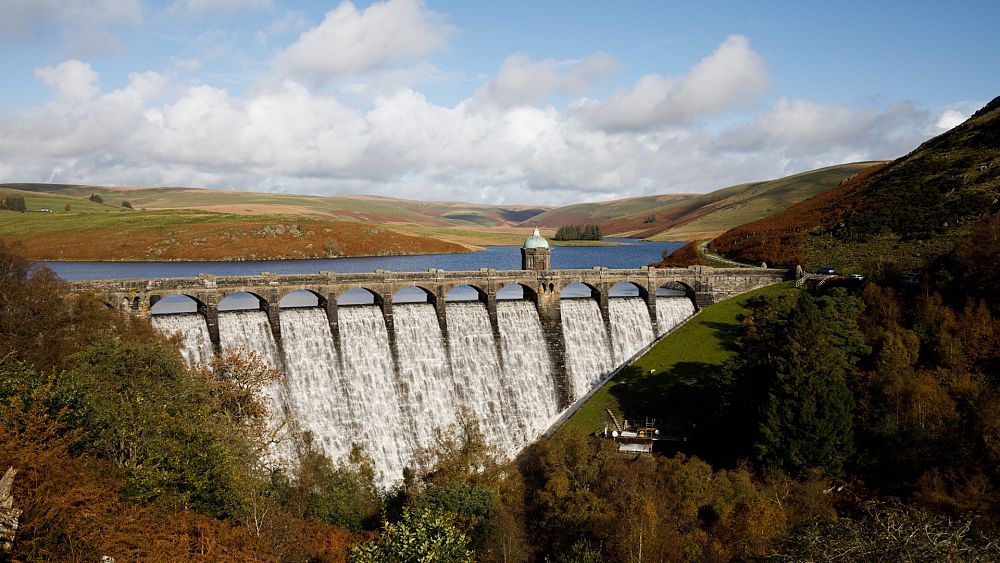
(686, 361)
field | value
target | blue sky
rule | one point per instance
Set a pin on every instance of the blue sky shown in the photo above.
(515, 102)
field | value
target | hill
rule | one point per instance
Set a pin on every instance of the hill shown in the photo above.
(698, 216)
(907, 212)
(174, 223)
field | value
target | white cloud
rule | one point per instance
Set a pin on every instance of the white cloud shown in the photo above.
(349, 42)
(498, 145)
(522, 81)
(950, 119)
(72, 79)
(731, 77)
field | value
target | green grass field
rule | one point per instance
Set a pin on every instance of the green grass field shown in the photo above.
(680, 358)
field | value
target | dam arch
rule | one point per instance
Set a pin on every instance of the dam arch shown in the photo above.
(301, 298)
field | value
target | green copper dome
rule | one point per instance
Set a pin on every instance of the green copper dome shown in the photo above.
(536, 240)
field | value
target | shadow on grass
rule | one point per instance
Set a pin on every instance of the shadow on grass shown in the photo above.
(690, 399)
(726, 333)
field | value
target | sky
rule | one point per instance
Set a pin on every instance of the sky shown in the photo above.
(541, 103)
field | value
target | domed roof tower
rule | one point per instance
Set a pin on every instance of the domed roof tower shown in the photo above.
(536, 254)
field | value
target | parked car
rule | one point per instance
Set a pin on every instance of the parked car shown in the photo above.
(826, 271)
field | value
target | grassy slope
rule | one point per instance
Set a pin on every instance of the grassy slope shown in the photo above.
(703, 340)
(363, 208)
(91, 231)
(761, 200)
(908, 212)
(686, 217)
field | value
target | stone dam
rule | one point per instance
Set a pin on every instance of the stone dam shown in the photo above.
(510, 348)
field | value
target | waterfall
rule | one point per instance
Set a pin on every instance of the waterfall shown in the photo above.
(527, 369)
(196, 344)
(671, 311)
(374, 397)
(317, 392)
(478, 377)
(631, 328)
(251, 331)
(426, 385)
(588, 357)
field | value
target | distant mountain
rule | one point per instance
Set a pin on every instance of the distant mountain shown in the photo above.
(907, 211)
(698, 216)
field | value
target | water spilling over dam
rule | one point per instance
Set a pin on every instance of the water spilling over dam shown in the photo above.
(519, 351)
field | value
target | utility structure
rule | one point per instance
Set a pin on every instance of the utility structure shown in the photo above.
(536, 254)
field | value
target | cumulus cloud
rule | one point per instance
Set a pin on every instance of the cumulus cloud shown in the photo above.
(731, 77)
(950, 119)
(505, 143)
(73, 80)
(522, 81)
(351, 42)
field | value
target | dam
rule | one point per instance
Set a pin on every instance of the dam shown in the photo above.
(513, 349)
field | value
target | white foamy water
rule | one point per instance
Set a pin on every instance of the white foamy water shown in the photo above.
(631, 327)
(478, 377)
(317, 392)
(527, 370)
(671, 311)
(426, 386)
(196, 346)
(588, 354)
(374, 396)
(250, 331)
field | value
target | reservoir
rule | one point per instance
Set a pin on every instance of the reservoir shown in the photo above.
(627, 253)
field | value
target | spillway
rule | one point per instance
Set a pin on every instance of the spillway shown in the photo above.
(631, 327)
(426, 386)
(374, 396)
(196, 344)
(478, 376)
(527, 369)
(505, 380)
(671, 311)
(316, 390)
(588, 353)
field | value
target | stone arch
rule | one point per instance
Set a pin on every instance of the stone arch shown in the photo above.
(351, 295)
(172, 301)
(623, 289)
(679, 286)
(527, 293)
(242, 301)
(297, 295)
(481, 294)
(413, 290)
(595, 293)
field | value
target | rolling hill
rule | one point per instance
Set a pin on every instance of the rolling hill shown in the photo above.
(907, 212)
(174, 223)
(697, 216)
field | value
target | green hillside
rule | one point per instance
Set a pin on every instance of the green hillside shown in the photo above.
(693, 216)
(907, 212)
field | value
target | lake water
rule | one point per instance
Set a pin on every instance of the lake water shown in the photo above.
(631, 253)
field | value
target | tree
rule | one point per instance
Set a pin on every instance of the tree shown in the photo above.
(792, 377)
(126, 204)
(67, 207)
(422, 535)
(96, 198)
(15, 203)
